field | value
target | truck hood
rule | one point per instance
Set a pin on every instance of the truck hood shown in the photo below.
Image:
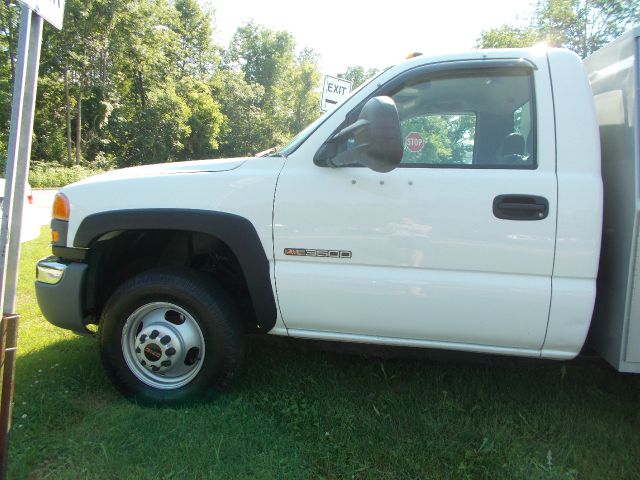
(196, 166)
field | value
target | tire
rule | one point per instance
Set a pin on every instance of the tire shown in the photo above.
(169, 336)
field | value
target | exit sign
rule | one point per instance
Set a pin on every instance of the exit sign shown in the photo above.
(334, 90)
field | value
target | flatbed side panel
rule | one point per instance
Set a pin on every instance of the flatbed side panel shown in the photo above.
(632, 351)
(613, 74)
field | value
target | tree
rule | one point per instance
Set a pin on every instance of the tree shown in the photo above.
(301, 92)
(288, 83)
(437, 148)
(158, 132)
(141, 81)
(89, 25)
(195, 55)
(9, 11)
(205, 119)
(508, 36)
(109, 61)
(8, 43)
(265, 56)
(357, 75)
(583, 26)
(245, 129)
(49, 118)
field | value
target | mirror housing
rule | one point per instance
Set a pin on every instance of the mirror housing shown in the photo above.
(377, 139)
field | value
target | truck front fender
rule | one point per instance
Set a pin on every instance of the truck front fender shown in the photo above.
(237, 232)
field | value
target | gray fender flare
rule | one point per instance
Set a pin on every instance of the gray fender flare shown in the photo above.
(236, 231)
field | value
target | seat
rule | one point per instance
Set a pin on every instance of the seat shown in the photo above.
(511, 150)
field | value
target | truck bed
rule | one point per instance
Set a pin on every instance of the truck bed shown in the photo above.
(614, 76)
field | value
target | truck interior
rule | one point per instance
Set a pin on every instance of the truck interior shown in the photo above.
(475, 119)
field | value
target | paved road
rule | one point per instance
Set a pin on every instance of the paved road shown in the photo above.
(41, 207)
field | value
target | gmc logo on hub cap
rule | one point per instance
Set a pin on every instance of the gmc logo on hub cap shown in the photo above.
(152, 352)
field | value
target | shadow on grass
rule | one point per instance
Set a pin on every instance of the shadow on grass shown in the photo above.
(303, 410)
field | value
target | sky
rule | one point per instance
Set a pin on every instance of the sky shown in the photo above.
(371, 33)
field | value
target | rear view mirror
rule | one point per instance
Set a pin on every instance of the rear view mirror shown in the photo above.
(373, 141)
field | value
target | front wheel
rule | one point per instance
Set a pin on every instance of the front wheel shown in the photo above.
(168, 336)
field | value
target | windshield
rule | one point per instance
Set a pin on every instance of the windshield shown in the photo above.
(304, 134)
(300, 137)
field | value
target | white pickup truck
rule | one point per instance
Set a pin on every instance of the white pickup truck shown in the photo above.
(452, 202)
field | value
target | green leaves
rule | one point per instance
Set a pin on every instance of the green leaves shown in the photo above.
(267, 93)
(205, 119)
(158, 131)
(195, 53)
(508, 36)
(143, 82)
(583, 26)
(357, 75)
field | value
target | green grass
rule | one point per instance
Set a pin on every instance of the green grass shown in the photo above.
(303, 413)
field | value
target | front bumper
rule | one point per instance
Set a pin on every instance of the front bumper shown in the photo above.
(59, 291)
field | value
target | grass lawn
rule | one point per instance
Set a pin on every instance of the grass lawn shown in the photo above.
(302, 412)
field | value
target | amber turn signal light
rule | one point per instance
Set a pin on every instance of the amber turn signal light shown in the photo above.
(55, 236)
(61, 207)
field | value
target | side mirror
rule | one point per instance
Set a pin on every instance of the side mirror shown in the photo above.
(373, 141)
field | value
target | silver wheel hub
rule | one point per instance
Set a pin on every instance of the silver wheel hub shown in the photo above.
(156, 349)
(163, 345)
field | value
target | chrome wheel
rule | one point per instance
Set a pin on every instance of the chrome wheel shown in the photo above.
(163, 345)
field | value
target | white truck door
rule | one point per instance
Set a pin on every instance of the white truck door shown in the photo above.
(454, 247)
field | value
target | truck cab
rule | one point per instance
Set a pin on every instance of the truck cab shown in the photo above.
(485, 236)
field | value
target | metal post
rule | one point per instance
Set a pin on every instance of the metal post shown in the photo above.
(14, 143)
(18, 156)
(23, 159)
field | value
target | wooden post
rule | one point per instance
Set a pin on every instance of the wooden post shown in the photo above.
(8, 347)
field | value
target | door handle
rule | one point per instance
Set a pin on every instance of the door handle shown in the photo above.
(520, 207)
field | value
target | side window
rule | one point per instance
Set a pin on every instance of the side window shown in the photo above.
(471, 120)
(439, 139)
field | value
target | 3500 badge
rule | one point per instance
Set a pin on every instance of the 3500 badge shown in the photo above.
(312, 252)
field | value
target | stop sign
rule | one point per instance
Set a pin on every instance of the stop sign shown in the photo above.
(414, 142)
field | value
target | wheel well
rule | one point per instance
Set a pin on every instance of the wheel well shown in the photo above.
(117, 256)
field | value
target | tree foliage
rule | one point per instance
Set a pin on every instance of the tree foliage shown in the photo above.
(277, 88)
(583, 26)
(508, 36)
(195, 55)
(447, 138)
(357, 75)
(143, 81)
